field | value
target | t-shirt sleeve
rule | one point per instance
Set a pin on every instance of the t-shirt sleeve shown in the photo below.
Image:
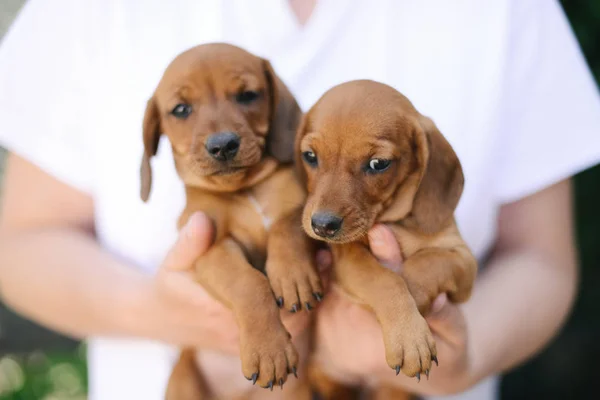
(43, 93)
(551, 107)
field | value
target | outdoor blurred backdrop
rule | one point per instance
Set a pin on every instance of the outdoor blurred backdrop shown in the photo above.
(38, 364)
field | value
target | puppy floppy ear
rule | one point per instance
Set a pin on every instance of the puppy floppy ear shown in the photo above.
(151, 136)
(428, 196)
(285, 117)
(298, 162)
(442, 182)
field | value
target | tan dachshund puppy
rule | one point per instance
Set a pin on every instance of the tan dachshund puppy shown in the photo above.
(231, 124)
(367, 156)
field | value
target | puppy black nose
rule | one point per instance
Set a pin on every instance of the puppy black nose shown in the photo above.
(223, 146)
(326, 224)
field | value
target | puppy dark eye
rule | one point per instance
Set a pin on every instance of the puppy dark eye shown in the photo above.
(181, 111)
(310, 158)
(376, 165)
(246, 97)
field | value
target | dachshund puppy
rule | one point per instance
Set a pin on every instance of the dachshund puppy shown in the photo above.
(367, 156)
(231, 124)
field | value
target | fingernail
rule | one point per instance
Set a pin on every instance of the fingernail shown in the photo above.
(377, 235)
(439, 303)
(192, 223)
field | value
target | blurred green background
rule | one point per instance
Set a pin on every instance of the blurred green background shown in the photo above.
(38, 364)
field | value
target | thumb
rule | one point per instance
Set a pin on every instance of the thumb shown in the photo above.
(194, 240)
(447, 320)
(385, 248)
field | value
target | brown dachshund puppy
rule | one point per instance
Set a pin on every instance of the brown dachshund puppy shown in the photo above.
(231, 124)
(367, 156)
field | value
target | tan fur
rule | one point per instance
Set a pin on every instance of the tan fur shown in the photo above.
(245, 197)
(416, 195)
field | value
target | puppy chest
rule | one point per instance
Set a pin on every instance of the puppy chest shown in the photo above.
(254, 211)
(249, 222)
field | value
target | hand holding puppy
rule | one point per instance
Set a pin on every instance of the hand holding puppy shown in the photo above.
(349, 339)
(183, 312)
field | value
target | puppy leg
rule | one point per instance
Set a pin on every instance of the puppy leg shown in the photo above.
(266, 350)
(291, 264)
(432, 271)
(389, 393)
(409, 344)
(328, 389)
(185, 382)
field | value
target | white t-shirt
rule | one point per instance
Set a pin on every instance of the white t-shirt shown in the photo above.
(505, 82)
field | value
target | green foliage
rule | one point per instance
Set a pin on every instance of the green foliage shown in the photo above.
(44, 376)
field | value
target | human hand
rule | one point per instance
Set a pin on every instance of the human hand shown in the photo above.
(350, 343)
(181, 312)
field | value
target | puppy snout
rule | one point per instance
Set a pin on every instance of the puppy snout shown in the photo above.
(326, 224)
(223, 146)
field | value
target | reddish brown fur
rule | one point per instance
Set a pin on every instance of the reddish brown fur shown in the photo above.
(350, 125)
(243, 196)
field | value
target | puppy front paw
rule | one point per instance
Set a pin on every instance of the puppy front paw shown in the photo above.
(268, 355)
(296, 285)
(409, 345)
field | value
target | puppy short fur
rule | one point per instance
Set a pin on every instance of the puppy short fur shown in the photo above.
(367, 156)
(231, 124)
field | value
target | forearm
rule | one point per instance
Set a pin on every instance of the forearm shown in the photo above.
(61, 278)
(518, 304)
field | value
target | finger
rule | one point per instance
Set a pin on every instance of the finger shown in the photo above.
(447, 320)
(438, 305)
(194, 240)
(324, 259)
(385, 247)
(181, 285)
(324, 262)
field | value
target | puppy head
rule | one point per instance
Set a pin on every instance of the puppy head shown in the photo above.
(366, 155)
(226, 114)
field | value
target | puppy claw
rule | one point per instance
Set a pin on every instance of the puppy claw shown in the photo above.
(295, 372)
(294, 308)
(308, 306)
(281, 383)
(418, 376)
(427, 373)
(397, 370)
(279, 302)
(435, 360)
(318, 297)
(254, 378)
(270, 385)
